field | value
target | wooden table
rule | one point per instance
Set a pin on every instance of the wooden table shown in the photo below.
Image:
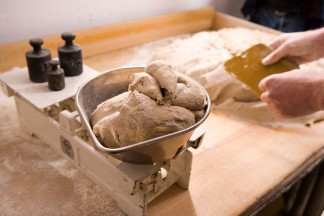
(240, 167)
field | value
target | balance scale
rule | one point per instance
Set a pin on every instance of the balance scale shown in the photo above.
(53, 118)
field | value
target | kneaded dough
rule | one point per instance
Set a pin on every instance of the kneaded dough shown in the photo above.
(146, 84)
(188, 94)
(139, 114)
(140, 118)
(166, 78)
(164, 75)
(108, 107)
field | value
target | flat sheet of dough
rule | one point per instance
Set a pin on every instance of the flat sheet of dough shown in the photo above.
(202, 57)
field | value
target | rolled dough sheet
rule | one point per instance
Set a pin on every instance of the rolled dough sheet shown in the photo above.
(202, 57)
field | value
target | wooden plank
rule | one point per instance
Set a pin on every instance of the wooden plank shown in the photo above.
(222, 20)
(245, 169)
(103, 39)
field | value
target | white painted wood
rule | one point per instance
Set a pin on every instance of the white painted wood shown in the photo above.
(39, 93)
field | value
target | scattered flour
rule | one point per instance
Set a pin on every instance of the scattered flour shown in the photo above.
(36, 180)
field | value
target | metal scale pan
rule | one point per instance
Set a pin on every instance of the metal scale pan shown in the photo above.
(156, 150)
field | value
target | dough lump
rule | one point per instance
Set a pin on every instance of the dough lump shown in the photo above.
(138, 114)
(141, 118)
(164, 74)
(146, 84)
(188, 94)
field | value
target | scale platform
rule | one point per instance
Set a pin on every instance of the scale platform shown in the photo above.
(53, 118)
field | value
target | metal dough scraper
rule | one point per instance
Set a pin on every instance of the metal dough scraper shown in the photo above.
(248, 68)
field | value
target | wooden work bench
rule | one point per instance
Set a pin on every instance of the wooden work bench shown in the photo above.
(241, 166)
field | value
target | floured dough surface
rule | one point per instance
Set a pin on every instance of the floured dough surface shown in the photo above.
(159, 101)
(202, 57)
(146, 84)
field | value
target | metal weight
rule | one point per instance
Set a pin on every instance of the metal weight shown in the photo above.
(55, 76)
(70, 56)
(37, 60)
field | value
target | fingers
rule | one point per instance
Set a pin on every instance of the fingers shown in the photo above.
(274, 44)
(267, 82)
(262, 85)
(271, 105)
(278, 52)
(265, 96)
(275, 56)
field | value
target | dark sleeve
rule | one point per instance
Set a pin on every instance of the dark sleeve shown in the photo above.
(312, 9)
(249, 7)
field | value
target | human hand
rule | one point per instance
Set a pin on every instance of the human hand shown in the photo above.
(300, 47)
(296, 93)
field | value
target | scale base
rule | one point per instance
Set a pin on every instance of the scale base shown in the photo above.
(57, 123)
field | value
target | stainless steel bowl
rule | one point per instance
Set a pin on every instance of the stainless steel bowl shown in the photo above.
(156, 150)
